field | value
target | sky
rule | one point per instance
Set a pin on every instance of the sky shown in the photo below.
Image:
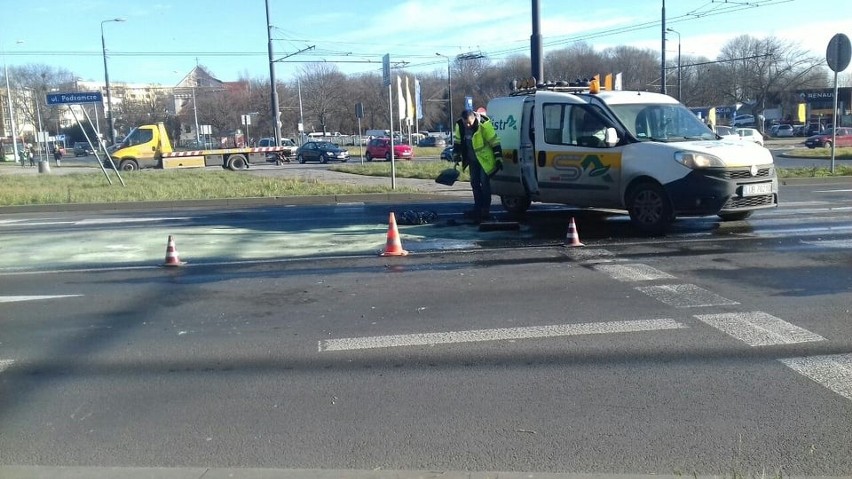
(160, 41)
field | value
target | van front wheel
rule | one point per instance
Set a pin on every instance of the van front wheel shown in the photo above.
(649, 208)
(515, 204)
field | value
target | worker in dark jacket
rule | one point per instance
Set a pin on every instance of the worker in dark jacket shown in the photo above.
(477, 146)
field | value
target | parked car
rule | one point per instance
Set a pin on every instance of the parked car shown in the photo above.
(750, 134)
(773, 130)
(432, 141)
(727, 132)
(380, 148)
(82, 148)
(784, 131)
(823, 140)
(447, 153)
(813, 129)
(322, 151)
(743, 120)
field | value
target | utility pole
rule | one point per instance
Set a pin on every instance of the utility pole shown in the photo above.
(276, 121)
(663, 53)
(535, 44)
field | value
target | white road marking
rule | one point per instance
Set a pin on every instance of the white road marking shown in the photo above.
(5, 363)
(832, 191)
(108, 221)
(832, 371)
(830, 243)
(759, 329)
(428, 339)
(685, 296)
(632, 272)
(13, 299)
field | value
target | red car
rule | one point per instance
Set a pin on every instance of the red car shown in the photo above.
(380, 148)
(823, 140)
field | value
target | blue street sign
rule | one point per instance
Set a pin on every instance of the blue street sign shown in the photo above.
(75, 97)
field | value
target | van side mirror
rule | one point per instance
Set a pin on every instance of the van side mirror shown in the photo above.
(611, 137)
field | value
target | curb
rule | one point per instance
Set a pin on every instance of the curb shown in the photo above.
(59, 472)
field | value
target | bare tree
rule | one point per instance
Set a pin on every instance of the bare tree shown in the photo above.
(639, 68)
(323, 96)
(755, 68)
(30, 85)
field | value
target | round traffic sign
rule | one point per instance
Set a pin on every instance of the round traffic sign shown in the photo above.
(838, 52)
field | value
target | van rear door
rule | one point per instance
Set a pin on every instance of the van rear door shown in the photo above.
(526, 150)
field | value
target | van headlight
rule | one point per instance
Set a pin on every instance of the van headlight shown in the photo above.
(696, 160)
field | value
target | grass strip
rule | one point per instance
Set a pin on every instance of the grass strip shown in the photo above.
(162, 185)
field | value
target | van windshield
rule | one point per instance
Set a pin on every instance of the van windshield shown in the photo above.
(662, 122)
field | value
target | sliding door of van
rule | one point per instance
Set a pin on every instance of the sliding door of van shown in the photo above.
(574, 164)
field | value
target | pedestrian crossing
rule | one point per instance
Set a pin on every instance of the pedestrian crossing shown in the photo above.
(756, 329)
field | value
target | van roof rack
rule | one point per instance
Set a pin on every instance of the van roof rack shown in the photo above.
(527, 86)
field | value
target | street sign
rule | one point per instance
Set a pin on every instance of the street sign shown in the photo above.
(838, 53)
(386, 76)
(246, 119)
(74, 97)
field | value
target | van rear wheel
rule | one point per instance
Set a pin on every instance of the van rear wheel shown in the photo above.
(649, 208)
(515, 204)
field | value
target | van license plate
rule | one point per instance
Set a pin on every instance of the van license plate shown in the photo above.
(757, 189)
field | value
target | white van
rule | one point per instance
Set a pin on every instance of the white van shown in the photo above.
(637, 151)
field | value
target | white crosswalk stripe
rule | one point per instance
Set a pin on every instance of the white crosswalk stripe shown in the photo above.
(685, 296)
(632, 272)
(428, 339)
(832, 371)
(759, 329)
(5, 364)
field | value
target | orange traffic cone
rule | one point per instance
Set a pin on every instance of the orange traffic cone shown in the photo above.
(573, 237)
(172, 254)
(394, 245)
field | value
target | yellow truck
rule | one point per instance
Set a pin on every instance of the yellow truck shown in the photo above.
(149, 146)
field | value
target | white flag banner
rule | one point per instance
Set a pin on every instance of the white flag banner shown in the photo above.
(418, 100)
(617, 85)
(400, 99)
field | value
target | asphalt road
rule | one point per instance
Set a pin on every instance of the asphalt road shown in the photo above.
(723, 348)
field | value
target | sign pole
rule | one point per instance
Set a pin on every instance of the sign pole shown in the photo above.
(837, 55)
(387, 81)
(834, 125)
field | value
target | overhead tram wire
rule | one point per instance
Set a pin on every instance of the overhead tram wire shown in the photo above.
(723, 8)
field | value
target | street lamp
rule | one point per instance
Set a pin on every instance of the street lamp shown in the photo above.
(679, 91)
(449, 95)
(106, 81)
